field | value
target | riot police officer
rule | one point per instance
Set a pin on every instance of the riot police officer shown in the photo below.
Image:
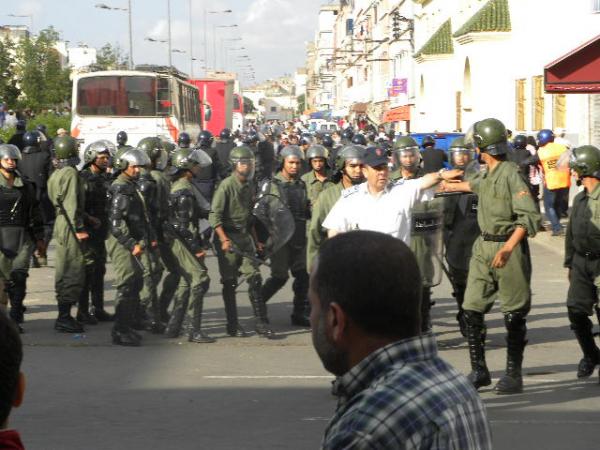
(460, 227)
(347, 135)
(186, 210)
(224, 146)
(66, 191)
(317, 180)
(347, 173)
(20, 224)
(130, 235)
(155, 187)
(235, 240)
(207, 178)
(184, 140)
(500, 262)
(17, 138)
(96, 160)
(433, 158)
(426, 222)
(359, 139)
(291, 189)
(36, 165)
(122, 139)
(582, 256)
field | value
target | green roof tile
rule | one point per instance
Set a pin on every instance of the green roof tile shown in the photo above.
(493, 16)
(440, 42)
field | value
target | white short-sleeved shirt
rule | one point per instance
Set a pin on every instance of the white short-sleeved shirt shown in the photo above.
(389, 212)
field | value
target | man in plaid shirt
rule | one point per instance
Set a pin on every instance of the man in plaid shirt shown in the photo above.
(394, 391)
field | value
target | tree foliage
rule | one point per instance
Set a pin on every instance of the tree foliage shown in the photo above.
(31, 74)
(9, 92)
(111, 57)
(43, 81)
(248, 105)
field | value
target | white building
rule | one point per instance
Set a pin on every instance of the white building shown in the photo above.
(486, 58)
(441, 65)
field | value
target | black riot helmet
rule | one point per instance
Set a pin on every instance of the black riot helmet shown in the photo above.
(184, 140)
(327, 141)
(225, 134)
(32, 139)
(347, 134)
(122, 138)
(359, 139)
(205, 139)
(520, 141)
(42, 129)
(428, 141)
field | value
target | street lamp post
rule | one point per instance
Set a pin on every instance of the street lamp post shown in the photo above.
(206, 13)
(128, 9)
(215, 41)
(169, 32)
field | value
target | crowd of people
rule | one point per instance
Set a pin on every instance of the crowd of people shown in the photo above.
(283, 197)
(156, 210)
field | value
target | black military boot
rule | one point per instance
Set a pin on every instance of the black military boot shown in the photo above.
(97, 309)
(121, 332)
(459, 295)
(512, 381)
(259, 307)
(169, 287)
(65, 323)
(175, 324)
(480, 375)
(15, 289)
(271, 286)
(196, 334)
(300, 315)
(582, 328)
(426, 310)
(234, 329)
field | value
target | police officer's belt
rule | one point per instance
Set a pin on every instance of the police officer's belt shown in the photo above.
(495, 237)
(589, 255)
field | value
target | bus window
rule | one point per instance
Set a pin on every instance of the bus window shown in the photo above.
(163, 104)
(116, 96)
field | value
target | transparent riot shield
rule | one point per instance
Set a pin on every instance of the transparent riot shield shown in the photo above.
(278, 221)
(426, 240)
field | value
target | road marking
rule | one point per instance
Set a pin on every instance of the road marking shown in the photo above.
(268, 377)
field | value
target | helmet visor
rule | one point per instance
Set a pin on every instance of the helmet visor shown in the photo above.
(407, 157)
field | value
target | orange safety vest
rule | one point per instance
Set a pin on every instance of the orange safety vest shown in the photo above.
(555, 177)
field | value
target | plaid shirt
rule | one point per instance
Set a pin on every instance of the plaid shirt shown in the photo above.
(404, 396)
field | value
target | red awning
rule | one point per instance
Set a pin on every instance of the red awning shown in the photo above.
(397, 114)
(577, 71)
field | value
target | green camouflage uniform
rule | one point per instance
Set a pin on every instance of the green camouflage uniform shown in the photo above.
(66, 186)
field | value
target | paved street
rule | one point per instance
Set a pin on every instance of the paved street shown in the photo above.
(252, 393)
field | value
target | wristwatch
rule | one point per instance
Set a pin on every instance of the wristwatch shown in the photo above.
(440, 172)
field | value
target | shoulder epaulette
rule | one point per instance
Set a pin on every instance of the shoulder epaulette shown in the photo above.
(351, 190)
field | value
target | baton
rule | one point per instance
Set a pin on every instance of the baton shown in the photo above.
(63, 211)
(252, 258)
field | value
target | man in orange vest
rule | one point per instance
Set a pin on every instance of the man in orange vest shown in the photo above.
(557, 179)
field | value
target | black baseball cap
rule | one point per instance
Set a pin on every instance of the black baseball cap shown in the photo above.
(375, 156)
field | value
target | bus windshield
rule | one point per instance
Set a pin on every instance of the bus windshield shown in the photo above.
(117, 96)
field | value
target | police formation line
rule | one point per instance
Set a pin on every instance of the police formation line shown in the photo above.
(155, 209)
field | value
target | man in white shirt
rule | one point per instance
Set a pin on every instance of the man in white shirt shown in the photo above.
(378, 204)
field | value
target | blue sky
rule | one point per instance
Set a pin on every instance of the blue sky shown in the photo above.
(273, 32)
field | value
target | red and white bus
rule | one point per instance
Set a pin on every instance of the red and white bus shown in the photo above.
(142, 103)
